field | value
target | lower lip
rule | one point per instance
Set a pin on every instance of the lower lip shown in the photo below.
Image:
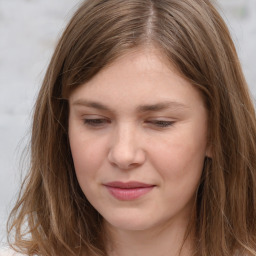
(127, 194)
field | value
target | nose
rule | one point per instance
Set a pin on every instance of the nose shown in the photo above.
(125, 151)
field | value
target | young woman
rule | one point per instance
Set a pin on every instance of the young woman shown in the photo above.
(144, 138)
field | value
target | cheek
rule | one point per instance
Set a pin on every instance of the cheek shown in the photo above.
(180, 166)
(180, 159)
(88, 155)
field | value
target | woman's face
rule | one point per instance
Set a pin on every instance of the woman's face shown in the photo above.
(138, 136)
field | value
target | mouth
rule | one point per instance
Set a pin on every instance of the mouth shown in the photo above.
(127, 191)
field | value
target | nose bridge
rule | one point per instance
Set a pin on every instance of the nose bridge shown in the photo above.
(126, 150)
(125, 135)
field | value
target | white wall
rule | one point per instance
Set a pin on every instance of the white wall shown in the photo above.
(28, 33)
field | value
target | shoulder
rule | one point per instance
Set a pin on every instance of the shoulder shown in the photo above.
(5, 251)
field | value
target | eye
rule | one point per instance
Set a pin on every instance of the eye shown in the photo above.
(96, 122)
(161, 123)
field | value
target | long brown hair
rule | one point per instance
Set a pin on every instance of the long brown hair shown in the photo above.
(52, 216)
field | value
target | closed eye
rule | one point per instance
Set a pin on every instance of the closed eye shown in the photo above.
(160, 123)
(96, 122)
(100, 122)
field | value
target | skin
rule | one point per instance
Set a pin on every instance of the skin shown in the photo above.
(139, 120)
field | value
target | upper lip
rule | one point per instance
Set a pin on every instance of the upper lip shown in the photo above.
(130, 184)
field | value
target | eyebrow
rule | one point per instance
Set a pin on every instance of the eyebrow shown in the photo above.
(141, 109)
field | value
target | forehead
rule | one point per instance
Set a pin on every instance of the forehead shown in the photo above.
(143, 60)
(141, 76)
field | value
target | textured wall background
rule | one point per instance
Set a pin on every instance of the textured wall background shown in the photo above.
(28, 33)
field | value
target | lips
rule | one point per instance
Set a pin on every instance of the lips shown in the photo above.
(127, 191)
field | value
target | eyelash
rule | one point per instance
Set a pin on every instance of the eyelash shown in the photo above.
(161, 123)
(98, 122)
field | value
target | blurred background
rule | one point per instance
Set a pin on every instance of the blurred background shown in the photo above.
(29, 30)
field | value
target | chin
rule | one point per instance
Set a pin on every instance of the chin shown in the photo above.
(130, 222)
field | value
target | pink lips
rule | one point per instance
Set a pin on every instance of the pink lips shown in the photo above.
(128, 190)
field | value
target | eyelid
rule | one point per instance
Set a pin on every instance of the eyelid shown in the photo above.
(99, 121)
(160, 122)
(95, 120)
(164, 119)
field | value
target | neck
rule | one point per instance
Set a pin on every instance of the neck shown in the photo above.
(171, 239)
